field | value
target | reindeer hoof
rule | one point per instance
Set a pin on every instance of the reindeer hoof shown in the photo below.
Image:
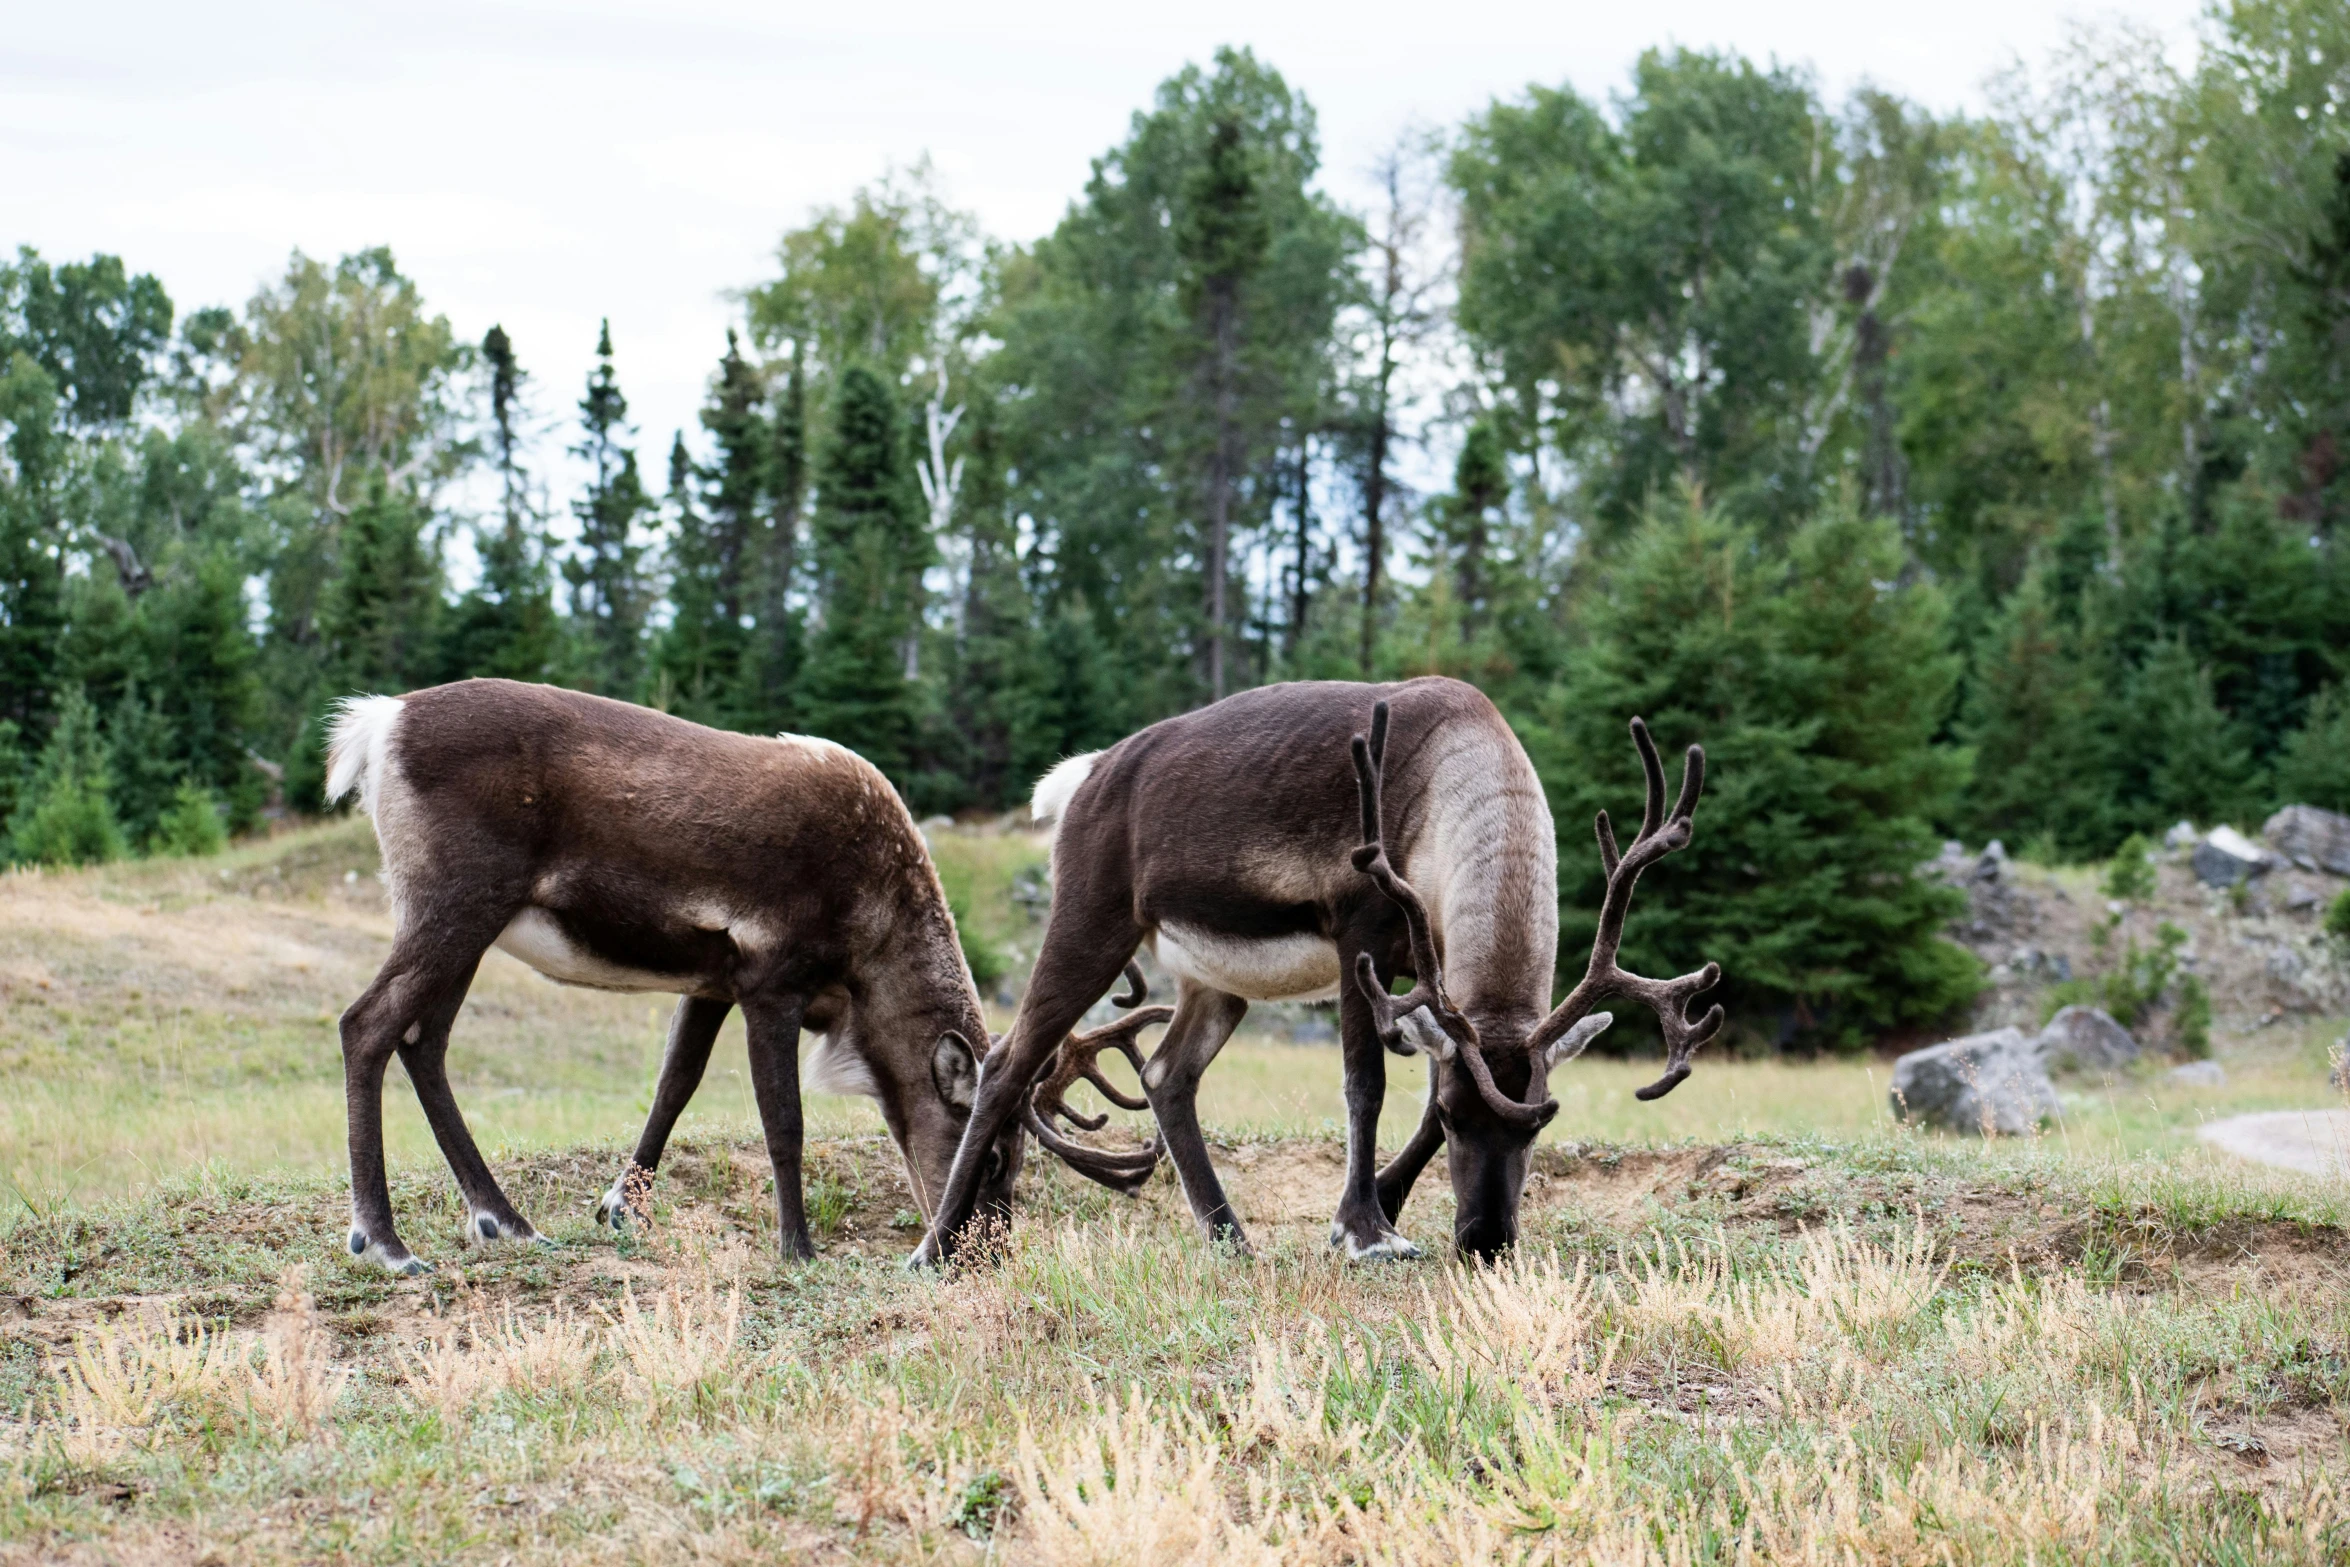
(483, 1229)
(627, 1201)
(393, 1259)
(1384, 1247)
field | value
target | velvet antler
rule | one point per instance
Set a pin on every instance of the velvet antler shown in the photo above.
(1602, 980)
(1078, 1059)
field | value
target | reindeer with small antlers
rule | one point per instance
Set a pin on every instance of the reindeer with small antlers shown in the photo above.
(1239, 844)
(614, 847)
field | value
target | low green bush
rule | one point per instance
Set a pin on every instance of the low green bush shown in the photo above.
(2131, 875)
(191, 825)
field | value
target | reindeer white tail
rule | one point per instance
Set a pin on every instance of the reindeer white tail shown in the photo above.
(356, 747)
(1057, 788)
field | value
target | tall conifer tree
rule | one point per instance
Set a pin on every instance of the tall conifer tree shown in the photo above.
(609, 595)
(506, 624)
(870, 554)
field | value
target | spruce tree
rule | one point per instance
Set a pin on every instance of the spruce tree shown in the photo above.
(200, 666)
(506, 624)
(2189, 759)
(1224, 235)
(2314, 768)
(63, 814)
(870, 554)
(142, 772)
(737, 480)
(2036, 718)
(1817, 682)
(609, 596)
(1464, 520)
(376, 623)
(995, 707)
(698, 660)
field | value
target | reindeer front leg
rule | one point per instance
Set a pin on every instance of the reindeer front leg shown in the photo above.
(774, 1029)
(693, 1029)
(1362, 1228)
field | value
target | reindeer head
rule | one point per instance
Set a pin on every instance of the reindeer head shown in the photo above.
(955, 1068)
(1491, 1095)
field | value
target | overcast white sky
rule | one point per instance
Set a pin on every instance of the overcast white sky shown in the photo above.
(543, 165)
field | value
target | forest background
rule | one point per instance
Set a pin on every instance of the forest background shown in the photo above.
(1971, 475)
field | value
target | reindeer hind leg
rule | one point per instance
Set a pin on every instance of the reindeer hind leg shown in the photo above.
(1204, 1021)
(407, 1011)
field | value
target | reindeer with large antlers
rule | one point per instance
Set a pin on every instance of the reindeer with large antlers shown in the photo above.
(1240, 844)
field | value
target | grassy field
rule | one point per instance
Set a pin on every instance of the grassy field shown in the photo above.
(162, 1017)
(1753, 1321)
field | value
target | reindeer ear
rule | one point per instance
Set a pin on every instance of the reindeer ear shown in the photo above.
(1572, 1043)
(1420, 1034)
(955, 1070)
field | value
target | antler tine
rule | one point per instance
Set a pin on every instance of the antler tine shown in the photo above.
(1120, 1171)
(1692, 781)
(1652, 809)
(1079, 1059)
(1602, 979)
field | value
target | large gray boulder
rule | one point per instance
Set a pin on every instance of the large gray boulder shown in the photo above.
(2086, 1039)
(2313, 839)
(2226, 857)
(1985, 1084)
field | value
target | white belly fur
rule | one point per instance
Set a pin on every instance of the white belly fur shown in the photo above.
(1277, 968)
(537, 939)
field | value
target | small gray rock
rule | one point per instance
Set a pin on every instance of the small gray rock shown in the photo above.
(2226, 857)
(2086, 1039)
(2313, 839)
(2181, 836)
(1985, 1084)
(2199, 1074)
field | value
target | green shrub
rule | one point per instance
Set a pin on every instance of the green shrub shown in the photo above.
(2131, 875)
(192, 824)
(2135, 986)
(71, 823)
(987, 960)
(2192, 1022)
(2338, 915)
(64, 815)
(2042, 849)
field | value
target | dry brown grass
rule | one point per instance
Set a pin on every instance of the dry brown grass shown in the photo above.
(1112, 1391)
